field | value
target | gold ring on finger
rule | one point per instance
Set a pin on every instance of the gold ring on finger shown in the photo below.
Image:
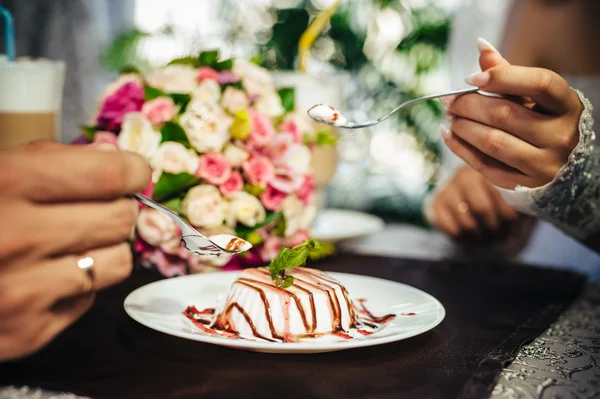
(463, 207)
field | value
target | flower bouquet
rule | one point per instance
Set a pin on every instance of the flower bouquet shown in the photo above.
(228, 152)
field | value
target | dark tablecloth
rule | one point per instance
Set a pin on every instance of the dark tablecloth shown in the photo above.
(492, 309)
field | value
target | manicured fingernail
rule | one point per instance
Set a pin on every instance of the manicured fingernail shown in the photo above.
(448, 100)
(484, 45)
(478, 79)
(449, 117)
(445, 131)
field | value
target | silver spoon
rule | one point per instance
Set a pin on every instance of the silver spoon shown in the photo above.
(330, 116)
(196, 242)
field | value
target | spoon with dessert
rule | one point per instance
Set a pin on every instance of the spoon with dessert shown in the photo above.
(330, 116)
(195, 242)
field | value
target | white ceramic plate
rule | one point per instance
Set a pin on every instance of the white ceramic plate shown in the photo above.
(337, 224)
(159, 306)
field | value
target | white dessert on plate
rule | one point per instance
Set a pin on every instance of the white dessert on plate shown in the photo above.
(314, 306)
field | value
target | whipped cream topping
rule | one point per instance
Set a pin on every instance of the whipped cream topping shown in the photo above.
(328, 115)
(231, 243)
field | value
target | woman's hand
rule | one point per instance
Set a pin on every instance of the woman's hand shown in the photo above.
(522, 139)
(470, 210)
(60, 204)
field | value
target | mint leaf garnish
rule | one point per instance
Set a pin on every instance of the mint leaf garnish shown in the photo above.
(288, 99)
(289, 258)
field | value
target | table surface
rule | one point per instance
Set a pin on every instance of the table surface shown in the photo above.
(562, 362)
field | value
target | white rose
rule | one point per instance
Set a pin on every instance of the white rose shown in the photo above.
(173, 78)
(155, 227)
(246, 209)
(309, 216)
(206, 126)
(256, 80)
(208, 91)
(137, 135)
(235, 100)
(172, 157)
(292, 209)
(297, 157)
(204, 206)
(235, 155)
(270, 105)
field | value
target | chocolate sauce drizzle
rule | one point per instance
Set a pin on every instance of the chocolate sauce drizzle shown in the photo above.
(305, 280)
(235, 244)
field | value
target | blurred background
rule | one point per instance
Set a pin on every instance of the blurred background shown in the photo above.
(387, 51)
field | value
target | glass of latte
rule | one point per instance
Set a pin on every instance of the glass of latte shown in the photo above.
(30, 100)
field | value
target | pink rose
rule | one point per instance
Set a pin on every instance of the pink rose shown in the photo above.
(279, 146)
(214, 168)
(287, 180)
(128, 98)
(206, 73)
(234, 184)
(140, 246)
(298, 238)
(271, 248)
(306, 191)
(290, 127)
(149, 190)
(262, 128)
(173, 246)
(272, 198)
(226, 77)
(159, 110)
(167, 265)
(259, 170)
(105, 137)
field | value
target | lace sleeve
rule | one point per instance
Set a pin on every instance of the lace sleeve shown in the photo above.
(572, 200)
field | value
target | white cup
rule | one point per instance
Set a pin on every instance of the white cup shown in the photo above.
(30, 100)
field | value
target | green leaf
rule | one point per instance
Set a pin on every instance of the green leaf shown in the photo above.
(185, 61)
(257, 59)
(289, 258)
(324, 137)
(224, 65)
(180, 99)
(284, 281)
(236, 85)
(280, 227)
(208, 58)
(288, 98)
(254, 189)
(150, 93)
(243, 231)
(89, 131)
(169, 185)
(327, 249)
(129, 69)
(171, 131)
(254, 238)
(173, 204)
